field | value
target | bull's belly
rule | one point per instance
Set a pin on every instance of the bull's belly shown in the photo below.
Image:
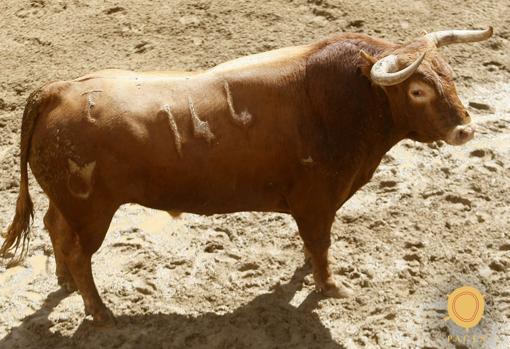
(201, 193)
(212, 205)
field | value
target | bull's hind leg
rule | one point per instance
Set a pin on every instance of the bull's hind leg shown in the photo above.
(55, 224)
(79, 259)
(77, 244)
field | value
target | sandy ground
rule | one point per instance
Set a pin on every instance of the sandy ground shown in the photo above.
(433, 218)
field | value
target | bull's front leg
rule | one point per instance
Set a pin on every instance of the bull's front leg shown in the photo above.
(315, 230)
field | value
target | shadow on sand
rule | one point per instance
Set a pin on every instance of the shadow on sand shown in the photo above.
(268, 321)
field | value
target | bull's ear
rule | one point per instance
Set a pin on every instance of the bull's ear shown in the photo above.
(367, 62)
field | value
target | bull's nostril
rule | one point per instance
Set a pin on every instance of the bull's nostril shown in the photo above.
(460, 135)
(466, 133)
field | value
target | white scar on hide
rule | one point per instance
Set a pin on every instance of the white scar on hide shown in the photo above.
(82, 173)
(200, 128)
(90, 102)
(308, 161)
(241, 119)
(175, 130)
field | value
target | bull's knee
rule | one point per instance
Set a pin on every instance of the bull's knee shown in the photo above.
(317, 252)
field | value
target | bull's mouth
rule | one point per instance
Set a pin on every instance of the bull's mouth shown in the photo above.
(460, 135)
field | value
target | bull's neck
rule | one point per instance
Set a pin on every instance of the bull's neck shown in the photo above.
(355, 117)
(367, 134)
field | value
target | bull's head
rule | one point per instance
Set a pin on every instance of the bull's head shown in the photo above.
(420, 88)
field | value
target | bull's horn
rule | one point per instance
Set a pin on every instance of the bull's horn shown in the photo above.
(447, 37)
(383, 71)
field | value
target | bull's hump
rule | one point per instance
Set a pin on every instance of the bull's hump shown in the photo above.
(269, 58)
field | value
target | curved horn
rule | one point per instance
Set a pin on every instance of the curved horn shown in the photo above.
(447, 37)
(383, 71)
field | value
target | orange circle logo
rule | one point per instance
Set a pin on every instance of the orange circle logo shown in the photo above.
(466, 306)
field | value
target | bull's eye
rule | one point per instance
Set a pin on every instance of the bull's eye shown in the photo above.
(420, 92)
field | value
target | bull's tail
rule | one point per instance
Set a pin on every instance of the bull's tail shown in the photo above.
(18, 232)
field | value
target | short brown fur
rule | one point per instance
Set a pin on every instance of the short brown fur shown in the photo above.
(317, 103)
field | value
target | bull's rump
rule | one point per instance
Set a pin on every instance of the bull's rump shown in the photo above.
(124, 128)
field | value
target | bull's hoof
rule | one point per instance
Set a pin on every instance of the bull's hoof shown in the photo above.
(102, 317)
(67, 284)
(332, 290)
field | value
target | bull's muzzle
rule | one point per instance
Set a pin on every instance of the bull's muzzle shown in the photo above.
(460, 135)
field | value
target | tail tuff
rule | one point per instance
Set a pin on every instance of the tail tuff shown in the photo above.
(19, 230)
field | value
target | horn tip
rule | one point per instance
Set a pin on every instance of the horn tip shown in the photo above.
(490, 31)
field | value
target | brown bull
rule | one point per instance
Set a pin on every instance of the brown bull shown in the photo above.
(296, 130)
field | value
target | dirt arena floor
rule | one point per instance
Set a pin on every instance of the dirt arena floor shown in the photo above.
(433, 218)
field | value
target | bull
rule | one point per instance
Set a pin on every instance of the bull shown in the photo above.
(296, 130)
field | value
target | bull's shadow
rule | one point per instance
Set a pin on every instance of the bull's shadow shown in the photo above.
(268, 321)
